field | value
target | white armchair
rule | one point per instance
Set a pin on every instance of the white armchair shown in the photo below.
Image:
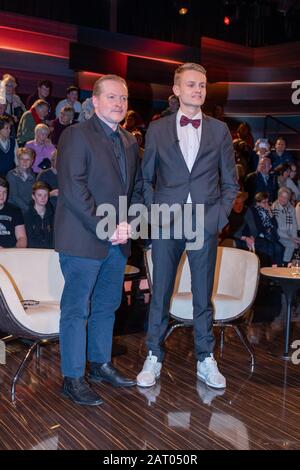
(31, 285)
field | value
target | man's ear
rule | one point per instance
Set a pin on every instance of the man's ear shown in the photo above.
(176, 90)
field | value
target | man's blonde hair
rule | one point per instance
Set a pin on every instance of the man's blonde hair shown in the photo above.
(187, 66)
(98, 84)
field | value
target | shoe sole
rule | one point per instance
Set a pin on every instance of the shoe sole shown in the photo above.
(202, 378)
(99, 380)
(78, 402)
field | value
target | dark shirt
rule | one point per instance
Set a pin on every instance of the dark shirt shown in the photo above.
(50, 178)
(39, 230)
(58, 128)
(118, 148)
(10, 218)
(277, 160)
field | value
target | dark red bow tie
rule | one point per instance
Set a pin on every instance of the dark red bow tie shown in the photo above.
(184, 121)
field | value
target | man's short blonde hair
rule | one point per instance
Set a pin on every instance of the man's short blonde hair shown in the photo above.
(187, 66)
(98, 84)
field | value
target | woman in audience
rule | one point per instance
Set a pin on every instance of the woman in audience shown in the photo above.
(42, 147)
(285, 215)
(39, 218)
(292, 182)
(8, 147)
(21, 180)
(15, 107)
(260, 231)
(30, 119)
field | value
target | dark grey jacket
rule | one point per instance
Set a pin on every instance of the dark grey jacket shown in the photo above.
(212, 181)
(89, 175)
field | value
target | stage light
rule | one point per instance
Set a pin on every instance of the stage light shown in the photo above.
(226, 20)
(183, 11)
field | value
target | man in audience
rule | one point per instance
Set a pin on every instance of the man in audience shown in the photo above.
(71, 100)
(36, 115)
(280, 155)
(39, 218)
(12, 229)
(43, 92)
(97, 163)
(262, 181)
(49, 177)
(64, 120)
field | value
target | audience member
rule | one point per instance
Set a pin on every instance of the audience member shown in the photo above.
(15, 107)
(12, 229)
(280, 155)
(42, 148)
(71, 100)
(21, 180)
(8, 147)
(43, 92)
(87, 110)
(29, 120)
(49, 177)
(65, 119)
(39, 218)
(262, 180)
(173, 107)
(285, 215)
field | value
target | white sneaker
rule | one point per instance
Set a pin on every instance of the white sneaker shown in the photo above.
(208, 372)
(150, 372)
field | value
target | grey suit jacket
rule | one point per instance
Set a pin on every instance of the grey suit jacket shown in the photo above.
(89, 175)
(212, 181)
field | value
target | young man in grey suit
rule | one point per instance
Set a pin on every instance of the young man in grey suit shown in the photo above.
(188, 159)
(98, 162)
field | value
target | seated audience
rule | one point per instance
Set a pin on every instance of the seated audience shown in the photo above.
(292, 182)
(133, 121)
(280, 155)
(3, 113)
(262, 180)
(29, 120)
(50, 178)
(87, 110)
(39, 218)
(243, 132)
(12, 229)
(283, 172)
(14, 107)
(21, 180)
(262, 148)
(236, 221)
(173, 107)
(260, 231)
(285, 215)
(42, 148)
(64, 120)
(71, 100)
(8, 147)
(43, 92)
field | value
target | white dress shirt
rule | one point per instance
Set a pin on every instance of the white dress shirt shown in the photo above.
(189, 141)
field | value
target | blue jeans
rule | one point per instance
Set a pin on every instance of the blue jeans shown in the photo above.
(92, 294)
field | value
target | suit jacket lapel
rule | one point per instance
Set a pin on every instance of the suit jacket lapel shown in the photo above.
(206, 137)
(174, 140)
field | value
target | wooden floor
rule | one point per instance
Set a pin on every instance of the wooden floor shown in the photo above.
(257, 411)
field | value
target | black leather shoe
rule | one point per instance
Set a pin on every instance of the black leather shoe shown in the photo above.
(80, 392)
(107, 373)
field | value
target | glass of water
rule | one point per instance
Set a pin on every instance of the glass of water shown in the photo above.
(295, 267)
